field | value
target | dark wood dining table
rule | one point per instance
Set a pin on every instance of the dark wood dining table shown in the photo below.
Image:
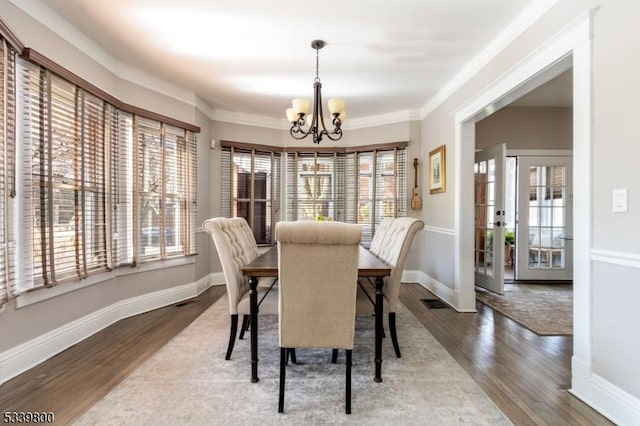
(266, 265)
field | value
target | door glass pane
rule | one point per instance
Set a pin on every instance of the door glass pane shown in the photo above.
(481, 240)
(545, 237)
(558, 240)
(491, 175)
(534, 220)
(491, 193)
(490, 210)
(547, 216)
(558, 216)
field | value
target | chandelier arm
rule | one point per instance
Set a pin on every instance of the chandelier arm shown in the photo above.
(336, 132)
(298, 134)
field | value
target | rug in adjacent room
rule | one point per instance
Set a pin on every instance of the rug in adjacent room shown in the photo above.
(545, 309)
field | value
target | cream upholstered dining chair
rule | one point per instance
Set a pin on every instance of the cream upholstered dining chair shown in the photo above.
(318, 274)
(236, 248)
(391, 243)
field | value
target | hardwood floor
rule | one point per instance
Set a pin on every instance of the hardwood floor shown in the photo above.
(524, 374)
(72, 381)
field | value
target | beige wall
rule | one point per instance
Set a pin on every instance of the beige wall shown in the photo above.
(527, 128)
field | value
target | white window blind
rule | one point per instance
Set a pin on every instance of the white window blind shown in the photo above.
(65, 164)
(7, 147)
(378, 189)
(163, 177)
(123, 245)
(102, 187)
(315, 186)
(251, 181)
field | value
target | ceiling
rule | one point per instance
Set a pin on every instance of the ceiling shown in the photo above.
(254, 56)
(557, 92)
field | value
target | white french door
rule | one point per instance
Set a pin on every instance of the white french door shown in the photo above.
(544, 233)
(489, 194)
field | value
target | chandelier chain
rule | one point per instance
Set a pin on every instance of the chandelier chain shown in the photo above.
(317, 79)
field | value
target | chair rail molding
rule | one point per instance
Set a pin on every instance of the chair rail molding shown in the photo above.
(438, 230)
(619, 258)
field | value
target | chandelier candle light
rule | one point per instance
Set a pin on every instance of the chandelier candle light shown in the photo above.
(296, 115)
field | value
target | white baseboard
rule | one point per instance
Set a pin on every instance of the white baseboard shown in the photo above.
(443, 292)
(217, 278)
(612, 402)
(29, 354)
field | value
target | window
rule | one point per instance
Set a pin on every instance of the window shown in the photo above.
(156, 198)
(7, 145)
(362, 185)
(379, 188)
(99, 187)
(251, 187)
(65, 164)
(315, 186)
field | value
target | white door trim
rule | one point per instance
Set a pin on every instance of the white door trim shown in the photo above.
(573, 43)
(548, 61)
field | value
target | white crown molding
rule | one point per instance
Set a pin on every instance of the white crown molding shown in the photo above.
(204, 107)
(519, 25)
(248, 119)
(47, 17)
(382, 119)
(151, 82)
(282, 124)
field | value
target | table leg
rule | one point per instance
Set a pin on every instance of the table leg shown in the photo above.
(253, 300)
(379, 330)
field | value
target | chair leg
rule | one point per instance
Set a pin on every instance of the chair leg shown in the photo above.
(334, 356)
(394, 335)
(246, 319)
(283, 357)
(291, 352)
(348, 391)
(232, 336)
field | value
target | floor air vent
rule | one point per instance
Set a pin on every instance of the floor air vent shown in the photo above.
(435, 304)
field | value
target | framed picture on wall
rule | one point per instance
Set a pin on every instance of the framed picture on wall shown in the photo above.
(437, 170)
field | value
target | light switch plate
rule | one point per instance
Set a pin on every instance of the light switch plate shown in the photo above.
(620, 200)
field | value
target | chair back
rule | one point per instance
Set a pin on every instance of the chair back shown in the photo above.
(318, 273)
(236, 247)
(391, 243)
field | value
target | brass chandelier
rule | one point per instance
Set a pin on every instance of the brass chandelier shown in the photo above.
(315, 120)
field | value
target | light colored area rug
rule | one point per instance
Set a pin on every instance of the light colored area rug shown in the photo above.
(545, 309)
(188, 382)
